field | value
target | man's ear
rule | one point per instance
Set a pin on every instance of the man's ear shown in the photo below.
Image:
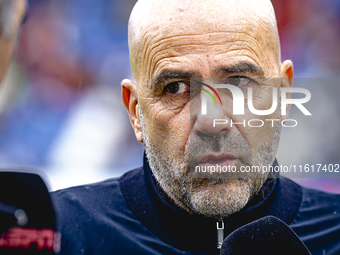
(130, 101)
(287, 75)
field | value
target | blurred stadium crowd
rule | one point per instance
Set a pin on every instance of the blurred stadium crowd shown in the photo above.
(60, 108)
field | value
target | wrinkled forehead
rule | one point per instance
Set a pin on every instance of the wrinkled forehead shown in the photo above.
(153, 22)
(181, 16)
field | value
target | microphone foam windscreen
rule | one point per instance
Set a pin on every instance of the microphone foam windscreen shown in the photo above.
(27, 218)
(266, 236)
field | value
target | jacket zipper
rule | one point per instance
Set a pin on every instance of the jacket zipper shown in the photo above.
(220, 233)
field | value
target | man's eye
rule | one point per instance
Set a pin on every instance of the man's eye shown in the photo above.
(177, 88)
(238, 81)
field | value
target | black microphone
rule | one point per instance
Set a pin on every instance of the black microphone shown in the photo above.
(27, 218)
(266, 236)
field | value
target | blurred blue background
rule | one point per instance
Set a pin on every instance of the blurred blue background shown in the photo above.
(60, 107)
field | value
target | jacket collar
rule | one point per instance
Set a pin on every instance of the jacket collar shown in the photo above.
(279, 197)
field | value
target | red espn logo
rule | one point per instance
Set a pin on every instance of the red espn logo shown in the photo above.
(25, 237)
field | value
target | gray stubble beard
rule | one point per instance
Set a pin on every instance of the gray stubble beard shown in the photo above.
(201, 195)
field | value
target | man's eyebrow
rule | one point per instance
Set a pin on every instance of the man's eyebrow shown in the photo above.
(168, 74)
(242, 67)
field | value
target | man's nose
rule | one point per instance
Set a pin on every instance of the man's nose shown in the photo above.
(214, 122)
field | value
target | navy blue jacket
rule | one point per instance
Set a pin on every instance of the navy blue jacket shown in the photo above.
(132, 215)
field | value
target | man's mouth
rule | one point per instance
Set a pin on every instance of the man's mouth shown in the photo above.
(222, 160)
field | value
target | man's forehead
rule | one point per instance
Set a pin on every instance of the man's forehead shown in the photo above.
(186, 15)
(174, 23)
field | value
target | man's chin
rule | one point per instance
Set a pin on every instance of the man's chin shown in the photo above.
(220, 199)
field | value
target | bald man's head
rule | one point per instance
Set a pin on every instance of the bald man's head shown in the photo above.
(153, 22)
(172, 41)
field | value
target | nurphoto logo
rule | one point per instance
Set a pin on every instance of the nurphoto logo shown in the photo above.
(239, 100)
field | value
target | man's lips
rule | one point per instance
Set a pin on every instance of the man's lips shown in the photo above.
(217, 159)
